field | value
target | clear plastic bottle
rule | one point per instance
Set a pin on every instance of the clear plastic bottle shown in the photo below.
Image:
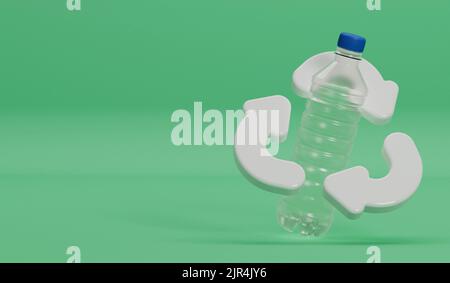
(325, 138)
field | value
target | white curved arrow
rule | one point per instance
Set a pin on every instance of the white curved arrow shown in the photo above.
(270, 173)
(355, 191)
(379, 105)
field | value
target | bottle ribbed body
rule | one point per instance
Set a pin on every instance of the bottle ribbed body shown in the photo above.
(325, 138)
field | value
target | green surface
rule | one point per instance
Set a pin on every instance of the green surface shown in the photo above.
(86, 98)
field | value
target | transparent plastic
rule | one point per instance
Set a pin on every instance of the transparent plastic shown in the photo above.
(324, 143)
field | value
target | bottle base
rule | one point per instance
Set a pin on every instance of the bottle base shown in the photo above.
(307, 214)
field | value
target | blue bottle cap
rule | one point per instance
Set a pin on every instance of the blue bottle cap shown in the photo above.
(351, 42)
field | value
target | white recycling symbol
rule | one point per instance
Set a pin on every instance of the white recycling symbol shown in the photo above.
(351, 190)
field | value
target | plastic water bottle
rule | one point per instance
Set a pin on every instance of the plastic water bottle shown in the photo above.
(325, 138)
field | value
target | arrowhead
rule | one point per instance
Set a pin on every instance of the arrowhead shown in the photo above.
(275, 102)
(347, 188)
(257, 163)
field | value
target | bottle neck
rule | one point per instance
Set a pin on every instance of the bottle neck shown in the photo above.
(348, 56)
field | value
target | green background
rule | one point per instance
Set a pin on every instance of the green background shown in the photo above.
(86, 99)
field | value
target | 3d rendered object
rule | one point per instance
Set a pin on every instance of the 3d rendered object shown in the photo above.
(354, 190)
(273, 174)
(340, 87)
